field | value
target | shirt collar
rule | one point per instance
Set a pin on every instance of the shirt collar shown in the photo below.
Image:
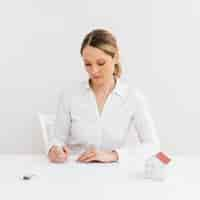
(119, 89)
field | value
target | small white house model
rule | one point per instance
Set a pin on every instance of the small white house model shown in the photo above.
(156, 167)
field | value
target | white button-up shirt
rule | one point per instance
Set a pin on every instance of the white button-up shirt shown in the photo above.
(124, 125)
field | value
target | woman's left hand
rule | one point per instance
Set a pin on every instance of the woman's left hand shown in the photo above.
(98, 155)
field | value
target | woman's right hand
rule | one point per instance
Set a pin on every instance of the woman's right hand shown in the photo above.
(58, 154)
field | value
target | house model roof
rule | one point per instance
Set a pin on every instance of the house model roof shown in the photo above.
(163, 158)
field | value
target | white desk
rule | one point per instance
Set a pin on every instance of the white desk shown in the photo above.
(72, 180)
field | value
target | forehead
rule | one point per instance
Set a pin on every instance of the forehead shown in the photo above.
(91, 53)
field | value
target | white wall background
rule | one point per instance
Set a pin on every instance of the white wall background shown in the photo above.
(39, 54)
(175, 74)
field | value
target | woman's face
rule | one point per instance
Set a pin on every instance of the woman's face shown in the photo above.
(99, 65)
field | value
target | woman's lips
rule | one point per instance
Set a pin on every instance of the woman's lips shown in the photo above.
(96, 77)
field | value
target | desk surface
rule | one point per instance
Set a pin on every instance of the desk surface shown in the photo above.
(104, 181)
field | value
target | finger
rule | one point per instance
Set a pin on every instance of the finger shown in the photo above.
(53, 150)
(61, 158)
(56, 149)
(60, 155)
(59, 151)
(90, 159)
(66, 149)
(53, 154)
(53, 158)
(86, 156)
(83, 155)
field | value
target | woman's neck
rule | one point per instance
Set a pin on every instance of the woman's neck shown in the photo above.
(105, 87)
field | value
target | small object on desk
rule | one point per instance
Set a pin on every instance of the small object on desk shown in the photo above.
(156, 167)
(27, 176)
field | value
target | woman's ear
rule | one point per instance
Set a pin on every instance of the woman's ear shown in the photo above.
(116, 57)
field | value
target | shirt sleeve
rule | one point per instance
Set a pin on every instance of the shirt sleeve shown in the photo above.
(143, 123)
(62, 122)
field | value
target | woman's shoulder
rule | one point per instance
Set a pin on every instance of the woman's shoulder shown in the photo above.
(132, 90)
(130, 87)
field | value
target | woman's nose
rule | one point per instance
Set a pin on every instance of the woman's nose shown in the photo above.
(95, 70)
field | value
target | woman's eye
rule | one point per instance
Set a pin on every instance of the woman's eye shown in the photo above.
(87, 65)
(101, 63)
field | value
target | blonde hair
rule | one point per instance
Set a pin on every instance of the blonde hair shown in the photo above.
(105, 41)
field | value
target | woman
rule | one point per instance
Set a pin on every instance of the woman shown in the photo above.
(98, 115)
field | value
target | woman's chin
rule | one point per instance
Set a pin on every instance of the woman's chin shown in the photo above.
(98, 81)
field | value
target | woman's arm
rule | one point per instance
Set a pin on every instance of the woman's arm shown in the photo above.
(146, 131)
(62, 122)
